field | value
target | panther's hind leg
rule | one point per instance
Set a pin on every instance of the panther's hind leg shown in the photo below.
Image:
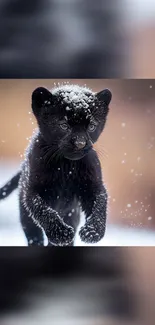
(33, 233)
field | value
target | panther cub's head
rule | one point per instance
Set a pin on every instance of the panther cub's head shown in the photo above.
(71, 117)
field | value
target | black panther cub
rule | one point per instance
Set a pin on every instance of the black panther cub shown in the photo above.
(61, 173)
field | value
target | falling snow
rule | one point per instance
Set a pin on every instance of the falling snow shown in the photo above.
(129, 205)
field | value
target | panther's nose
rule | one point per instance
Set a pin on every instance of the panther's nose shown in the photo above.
(80, 142)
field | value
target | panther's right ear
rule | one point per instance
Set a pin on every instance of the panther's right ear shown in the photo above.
(41, 98)
(105, 96)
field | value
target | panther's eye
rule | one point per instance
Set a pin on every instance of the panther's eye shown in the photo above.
(92, 127)
(64, 126)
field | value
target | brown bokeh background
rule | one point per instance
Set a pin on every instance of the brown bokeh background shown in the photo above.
(142, 51)
(126, 147)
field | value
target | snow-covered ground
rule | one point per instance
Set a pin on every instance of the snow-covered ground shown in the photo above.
(11, 233)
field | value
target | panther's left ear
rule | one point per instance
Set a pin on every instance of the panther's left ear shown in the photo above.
(104, 96)
(41, 97)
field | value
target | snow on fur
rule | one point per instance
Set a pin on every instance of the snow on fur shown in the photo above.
(75, 95)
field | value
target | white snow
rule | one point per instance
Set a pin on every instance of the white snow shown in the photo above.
(75, 95)
(129, 205)
(11, 233)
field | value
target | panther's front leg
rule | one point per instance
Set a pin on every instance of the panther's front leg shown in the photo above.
(93, 197)
(57, 231)
(94, 229)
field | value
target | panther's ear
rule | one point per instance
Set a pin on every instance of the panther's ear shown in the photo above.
(41, 97)
(104, 96)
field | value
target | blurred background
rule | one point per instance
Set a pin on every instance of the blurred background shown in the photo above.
(126, 149)
(82, 39)
(110, 286)
(77, 39)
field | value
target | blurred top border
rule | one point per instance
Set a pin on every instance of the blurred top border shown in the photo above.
(74, 38)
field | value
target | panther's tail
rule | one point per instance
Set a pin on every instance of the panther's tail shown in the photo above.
(9, 187)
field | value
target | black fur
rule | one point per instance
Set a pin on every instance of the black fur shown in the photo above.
(61, 172)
